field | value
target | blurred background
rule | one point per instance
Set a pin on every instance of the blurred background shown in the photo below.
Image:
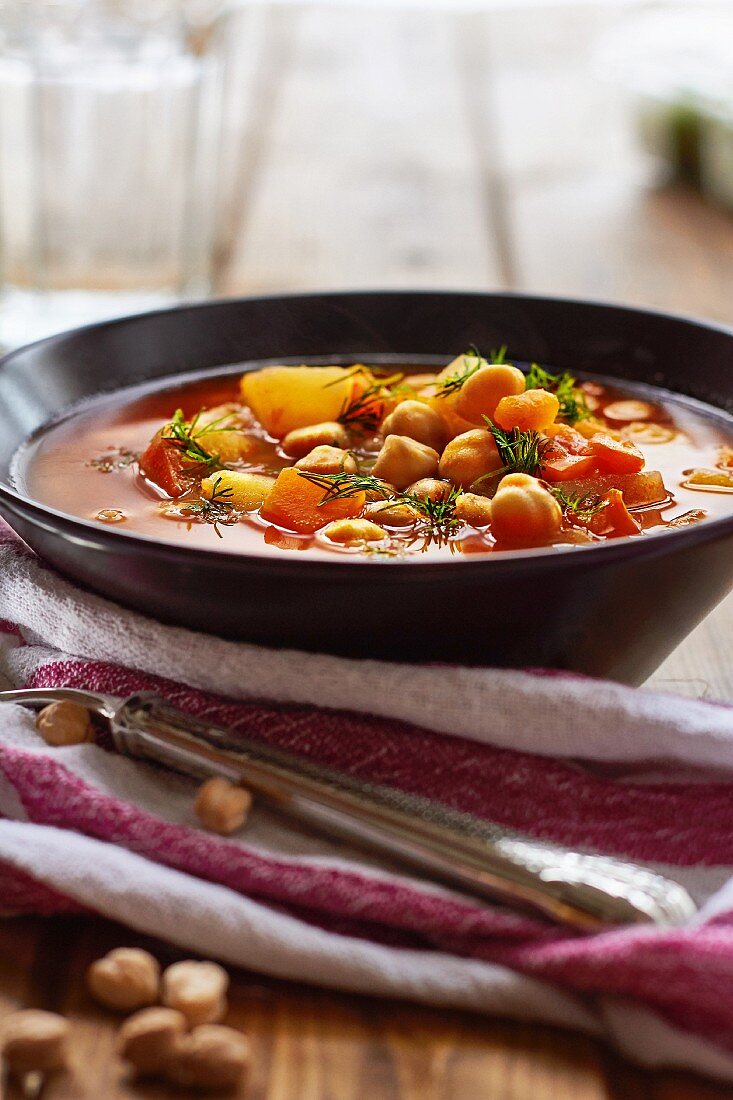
(153, 151)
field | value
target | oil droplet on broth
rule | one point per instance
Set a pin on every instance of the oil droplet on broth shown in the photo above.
(111, 515)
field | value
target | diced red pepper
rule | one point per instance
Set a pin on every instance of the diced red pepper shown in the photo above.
(615, 456)
(568, 466)
(164, 466)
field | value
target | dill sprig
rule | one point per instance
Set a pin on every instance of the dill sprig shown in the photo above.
(437, 513)
(341, 485)
(454, 382)
(582, 506)
(520, 452)
(185, 436)
(217, 509)
(573, 406)
(365, 412)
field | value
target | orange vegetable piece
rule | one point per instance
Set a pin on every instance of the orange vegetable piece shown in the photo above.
(530, 411)
(163, 464)
(567, 467)
(570, 439)
(295, 503)
(615, 519)
(616, 456)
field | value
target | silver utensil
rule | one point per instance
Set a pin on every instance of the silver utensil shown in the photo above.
(477, 857)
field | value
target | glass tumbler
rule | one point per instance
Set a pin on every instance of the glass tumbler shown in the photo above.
(109, 147)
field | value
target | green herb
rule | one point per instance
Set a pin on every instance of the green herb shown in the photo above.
(437, 513)
(520, 452)
(573, 406)
(216, 509)
(438, 520)
(185, 436)
(352, 373)
(583, 506)
(342, 485)
(365, 412)
(473, 361)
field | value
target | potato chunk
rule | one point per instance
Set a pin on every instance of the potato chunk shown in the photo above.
(286, 398)
(402, 461)
(236, 487)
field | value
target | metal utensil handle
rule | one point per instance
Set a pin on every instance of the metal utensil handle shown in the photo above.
(480, 858)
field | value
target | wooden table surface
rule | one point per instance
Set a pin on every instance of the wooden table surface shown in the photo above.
(423, 149)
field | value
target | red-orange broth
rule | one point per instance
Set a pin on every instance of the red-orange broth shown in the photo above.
(87, 465)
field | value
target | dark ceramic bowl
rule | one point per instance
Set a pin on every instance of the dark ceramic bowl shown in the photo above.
(613, 610)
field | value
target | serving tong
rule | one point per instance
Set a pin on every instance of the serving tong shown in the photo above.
(476, 857)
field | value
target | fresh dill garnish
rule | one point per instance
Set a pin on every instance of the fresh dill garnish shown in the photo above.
(365, 412)
(473, 361)
(573, 406)
(341, 485)
(582, 506)
(438, 521)
(217, 509)
(437, 513)
(185, 436)
(520, 452)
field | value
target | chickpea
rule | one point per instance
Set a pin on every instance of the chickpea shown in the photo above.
(523, 511)
(481, 393)
(430, 488)
(419, 421)
(34, 1041)
(197, 989)
(301, 441)
(469, 456)
(65, 723)
(148, 1038)
(473, 509)
(328, 460)
(530, 411)
(221, 806)
(391, 514)
(211, 1057)
(125, 979)
(402, 461)
(353, 531)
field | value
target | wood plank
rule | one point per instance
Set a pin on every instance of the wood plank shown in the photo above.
(369, 177)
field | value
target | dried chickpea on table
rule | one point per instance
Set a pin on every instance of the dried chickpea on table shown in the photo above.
(173, 1034)
(481, 455)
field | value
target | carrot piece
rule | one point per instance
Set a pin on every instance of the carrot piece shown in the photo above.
(530, 411)
(570, 440)
(615, 519)
(164, 466)
(567, 467)
(616, 456)
(296, 504)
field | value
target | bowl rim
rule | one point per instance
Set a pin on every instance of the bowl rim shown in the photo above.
(388, 569)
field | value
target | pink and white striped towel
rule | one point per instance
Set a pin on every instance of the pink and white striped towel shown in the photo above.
(82, 828)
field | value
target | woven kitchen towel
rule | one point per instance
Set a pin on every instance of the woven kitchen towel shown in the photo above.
(592, 765)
